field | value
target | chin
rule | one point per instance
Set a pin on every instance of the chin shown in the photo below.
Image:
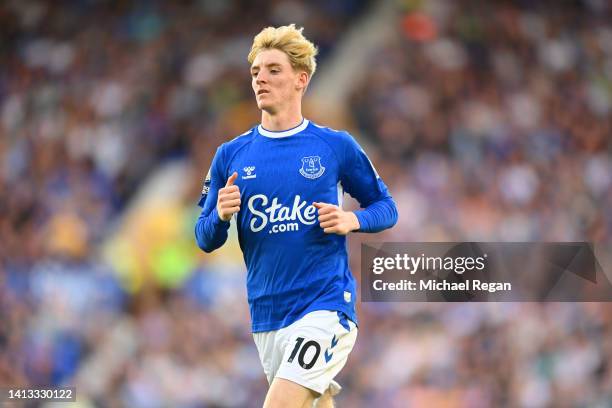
(265, 103)
(265, 107)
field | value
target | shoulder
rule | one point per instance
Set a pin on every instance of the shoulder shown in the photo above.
(336, 138)
(231, 147)
(340, 141)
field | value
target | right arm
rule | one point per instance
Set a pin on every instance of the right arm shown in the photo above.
(220, 200)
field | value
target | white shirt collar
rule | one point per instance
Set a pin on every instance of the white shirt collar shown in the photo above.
(283, 133)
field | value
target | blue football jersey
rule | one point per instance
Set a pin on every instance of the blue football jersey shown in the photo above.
(293, 267)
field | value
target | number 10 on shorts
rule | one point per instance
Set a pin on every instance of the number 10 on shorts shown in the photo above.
(303, 349)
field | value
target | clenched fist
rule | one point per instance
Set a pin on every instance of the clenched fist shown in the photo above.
(228, 199)
(334, 220)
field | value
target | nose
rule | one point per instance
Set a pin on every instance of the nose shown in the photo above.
(260, 78)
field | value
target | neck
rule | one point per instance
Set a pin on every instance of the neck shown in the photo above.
(280, 121)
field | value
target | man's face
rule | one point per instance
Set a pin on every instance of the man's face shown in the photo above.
(275, 83)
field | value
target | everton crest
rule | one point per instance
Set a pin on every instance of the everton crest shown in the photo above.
(311, 167)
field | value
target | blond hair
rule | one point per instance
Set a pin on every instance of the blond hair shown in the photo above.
(289, 40)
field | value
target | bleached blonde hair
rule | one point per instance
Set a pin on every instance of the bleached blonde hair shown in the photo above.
(289, 40)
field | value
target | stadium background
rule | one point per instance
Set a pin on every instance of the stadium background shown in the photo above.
(489, 121)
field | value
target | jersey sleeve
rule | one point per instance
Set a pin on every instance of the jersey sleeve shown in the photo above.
(210, 230)
(362, 182)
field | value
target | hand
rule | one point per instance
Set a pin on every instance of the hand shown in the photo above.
(334, 220)
(228, 199)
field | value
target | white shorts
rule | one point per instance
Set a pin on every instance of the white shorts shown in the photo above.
(310, 351)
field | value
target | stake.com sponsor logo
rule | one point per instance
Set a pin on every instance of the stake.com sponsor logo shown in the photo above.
(276, 213)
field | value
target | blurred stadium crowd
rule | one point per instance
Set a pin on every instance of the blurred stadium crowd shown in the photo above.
(489, 122)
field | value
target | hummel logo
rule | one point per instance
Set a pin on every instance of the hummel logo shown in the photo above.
(249, 173)
(328, 355)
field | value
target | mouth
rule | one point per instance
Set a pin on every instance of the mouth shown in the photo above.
(262, 91)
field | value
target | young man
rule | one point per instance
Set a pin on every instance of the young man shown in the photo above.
(283, 182)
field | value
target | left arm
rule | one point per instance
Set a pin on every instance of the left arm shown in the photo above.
(361, 181)
(378, 216)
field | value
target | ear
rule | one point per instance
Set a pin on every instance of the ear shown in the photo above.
(302, 81)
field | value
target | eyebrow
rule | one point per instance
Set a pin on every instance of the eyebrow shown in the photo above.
(272, 64)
